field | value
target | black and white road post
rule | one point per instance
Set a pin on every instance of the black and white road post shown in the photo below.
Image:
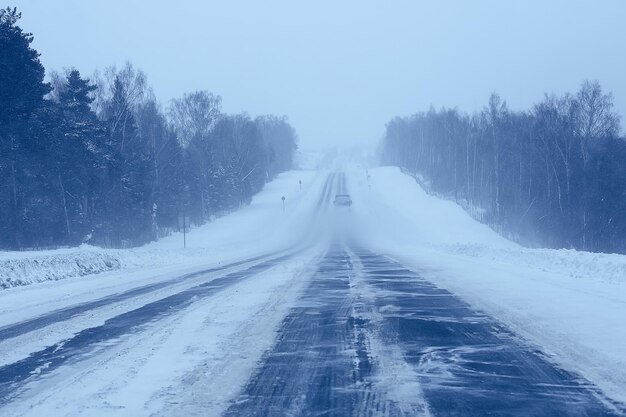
(283, 198)
(184, 219)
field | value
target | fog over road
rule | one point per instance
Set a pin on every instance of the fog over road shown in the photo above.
(324, 325)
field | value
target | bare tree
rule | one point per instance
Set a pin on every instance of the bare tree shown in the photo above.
(134, 83)
(194, 115)
(493, 116)
(596, 118)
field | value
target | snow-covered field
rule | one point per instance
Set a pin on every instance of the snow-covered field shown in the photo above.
(570, 303)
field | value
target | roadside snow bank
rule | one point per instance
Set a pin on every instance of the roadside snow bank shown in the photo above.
(25, 268)
(53, 267)
(571, 304)
(603, 267)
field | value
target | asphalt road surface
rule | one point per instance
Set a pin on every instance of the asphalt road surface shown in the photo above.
(463, 363)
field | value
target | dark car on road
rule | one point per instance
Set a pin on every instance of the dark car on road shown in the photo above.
(343, 200)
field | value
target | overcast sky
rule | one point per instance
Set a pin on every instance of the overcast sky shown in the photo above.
(341, 69)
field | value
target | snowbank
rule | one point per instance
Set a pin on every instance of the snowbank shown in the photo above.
(28, 270)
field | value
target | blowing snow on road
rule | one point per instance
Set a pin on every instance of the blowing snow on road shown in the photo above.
(362, 310)
(312, 209)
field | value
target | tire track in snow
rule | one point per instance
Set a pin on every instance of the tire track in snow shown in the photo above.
(310, 368)
(18, 329)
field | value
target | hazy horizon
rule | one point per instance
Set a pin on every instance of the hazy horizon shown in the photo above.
(341, 71)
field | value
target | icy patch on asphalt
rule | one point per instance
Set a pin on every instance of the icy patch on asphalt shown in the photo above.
(394, 382)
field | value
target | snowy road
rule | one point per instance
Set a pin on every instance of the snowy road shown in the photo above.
(11, 331)
(84, 342)
(370, 337)
(331, 327)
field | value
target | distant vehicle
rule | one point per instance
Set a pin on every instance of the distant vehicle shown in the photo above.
(343, 200)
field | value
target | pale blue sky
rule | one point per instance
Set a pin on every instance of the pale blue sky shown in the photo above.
(341, 69)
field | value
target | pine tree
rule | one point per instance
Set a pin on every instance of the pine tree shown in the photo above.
(21, 93)
(21, 74)
(77, 155)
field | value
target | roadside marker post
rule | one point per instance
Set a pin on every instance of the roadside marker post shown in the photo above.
(183, 221)
(283, 198)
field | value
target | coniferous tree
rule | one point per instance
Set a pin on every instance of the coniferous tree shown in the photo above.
(22, 90)
(77, 155)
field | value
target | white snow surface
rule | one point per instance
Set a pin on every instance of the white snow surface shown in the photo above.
(571, 304)
(192, 363)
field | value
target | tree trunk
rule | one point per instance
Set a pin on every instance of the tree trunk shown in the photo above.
(67, 219)
(467, 167)
(14, 207)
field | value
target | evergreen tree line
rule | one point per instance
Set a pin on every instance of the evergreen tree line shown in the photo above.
(99, 161)
(554, 175)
